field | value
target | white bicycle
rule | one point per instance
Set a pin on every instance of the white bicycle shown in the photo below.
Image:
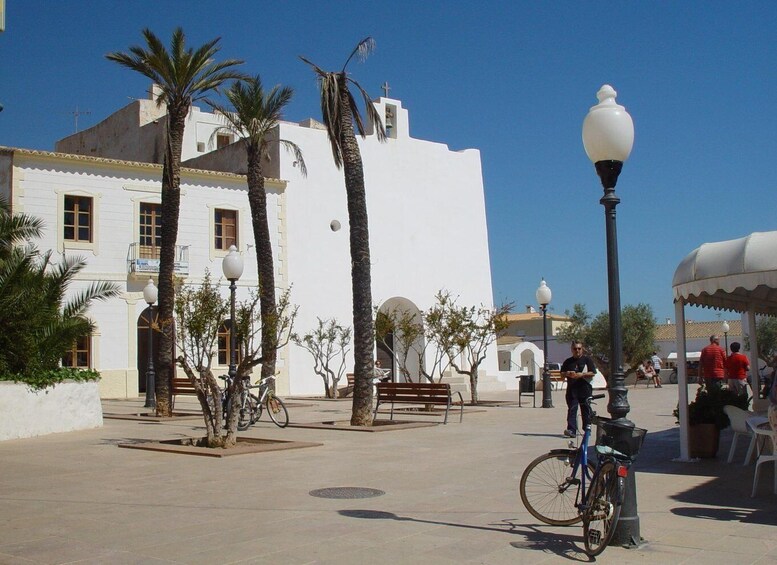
(251, 406)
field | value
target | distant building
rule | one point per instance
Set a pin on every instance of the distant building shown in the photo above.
(521, 346)
(697, 336)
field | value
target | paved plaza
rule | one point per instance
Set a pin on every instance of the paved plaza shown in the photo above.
(450, 494)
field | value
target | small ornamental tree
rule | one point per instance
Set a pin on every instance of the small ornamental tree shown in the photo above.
(200, 312)
(638, 335)
(405, 330)
(435, 334)
(328, 344)
(766, 333)
(465, 333)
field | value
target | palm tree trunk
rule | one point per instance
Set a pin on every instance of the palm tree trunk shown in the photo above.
(361, 283)
(257, 198)
(171, 206)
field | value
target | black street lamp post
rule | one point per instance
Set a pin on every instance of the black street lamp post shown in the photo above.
(150, 293)
(232, 265)
(608, 136)
(543, 296)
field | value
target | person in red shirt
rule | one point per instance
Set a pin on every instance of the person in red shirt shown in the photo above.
(737, 366)
(713, 364)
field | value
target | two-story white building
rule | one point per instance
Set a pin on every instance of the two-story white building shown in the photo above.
(99, 195)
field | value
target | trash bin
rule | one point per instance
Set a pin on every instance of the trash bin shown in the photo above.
(526, 384)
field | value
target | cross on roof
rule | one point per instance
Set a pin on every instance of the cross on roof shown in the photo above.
(386, 88)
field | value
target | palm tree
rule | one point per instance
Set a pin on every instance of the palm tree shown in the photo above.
(255, 114)
(183, 75)
(15, 228)
(340, 114)
(39, 323)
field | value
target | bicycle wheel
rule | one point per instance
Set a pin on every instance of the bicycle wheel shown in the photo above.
(277, 411)
(602, 510)
(549, 491)
(247, 409)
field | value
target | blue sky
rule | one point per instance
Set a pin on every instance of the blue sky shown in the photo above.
(513, 79)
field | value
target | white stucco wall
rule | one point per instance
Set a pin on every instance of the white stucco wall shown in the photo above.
(65, 407)
(38, 180)
(426, 210)
(427, 229)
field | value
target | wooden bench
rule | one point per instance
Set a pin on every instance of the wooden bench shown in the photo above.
(556, 380)
(181, 385)
(347, 390)
(418, 393)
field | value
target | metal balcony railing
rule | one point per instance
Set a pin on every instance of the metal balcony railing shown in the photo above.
(145, 259)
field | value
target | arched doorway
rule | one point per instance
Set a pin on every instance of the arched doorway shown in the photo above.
(401, 348)
(142, 337)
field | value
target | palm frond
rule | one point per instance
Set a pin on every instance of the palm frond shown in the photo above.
(297, 152)
(80, 302)
(372, 113)
(183, 75)
(361, 51)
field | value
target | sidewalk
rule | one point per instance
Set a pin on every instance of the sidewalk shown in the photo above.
(450, 494)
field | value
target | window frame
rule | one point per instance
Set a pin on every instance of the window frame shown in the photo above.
(155, 226)
(224, 247)
(81, 345)
(94, 227)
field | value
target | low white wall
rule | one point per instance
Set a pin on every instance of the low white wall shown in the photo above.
(65, 407)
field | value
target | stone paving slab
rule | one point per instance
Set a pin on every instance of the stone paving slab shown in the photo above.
(451, 494)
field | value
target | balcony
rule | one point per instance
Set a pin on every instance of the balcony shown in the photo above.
(144, 259)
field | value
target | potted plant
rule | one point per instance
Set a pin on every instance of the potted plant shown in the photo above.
(706, 418)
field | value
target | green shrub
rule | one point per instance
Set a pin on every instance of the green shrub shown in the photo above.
(707, 408)
(44, 379)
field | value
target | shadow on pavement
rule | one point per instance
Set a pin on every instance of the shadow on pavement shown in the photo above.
(726, 495)
(535, 539)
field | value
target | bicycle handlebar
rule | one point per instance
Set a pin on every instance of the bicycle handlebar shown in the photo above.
(597, 396)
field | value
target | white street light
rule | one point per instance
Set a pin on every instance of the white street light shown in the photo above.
(150, 294)
(543, 296)
(725, 329)
(608, 136)
(232, 265)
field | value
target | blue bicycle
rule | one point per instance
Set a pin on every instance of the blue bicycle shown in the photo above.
(563, 487)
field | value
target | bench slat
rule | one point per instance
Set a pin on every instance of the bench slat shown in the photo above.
(418, 393)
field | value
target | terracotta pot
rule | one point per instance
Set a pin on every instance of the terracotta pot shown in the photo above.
(703, 440)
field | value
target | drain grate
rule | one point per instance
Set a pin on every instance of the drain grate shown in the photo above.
(346, 492)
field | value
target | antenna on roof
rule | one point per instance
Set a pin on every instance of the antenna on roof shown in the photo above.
(79, 113)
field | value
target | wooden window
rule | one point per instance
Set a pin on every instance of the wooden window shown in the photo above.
(77, 220)
(150, 236)
(223, 345)
(225, 227)
(222, 140)
(80, 355)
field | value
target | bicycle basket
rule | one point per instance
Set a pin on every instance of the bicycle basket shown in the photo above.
(618, 437)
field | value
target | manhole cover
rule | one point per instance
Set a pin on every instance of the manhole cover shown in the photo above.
(346, 492)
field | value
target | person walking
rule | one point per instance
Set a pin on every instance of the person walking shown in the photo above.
(657, 365)
(578, 370)
(713, 364)
(737, 366)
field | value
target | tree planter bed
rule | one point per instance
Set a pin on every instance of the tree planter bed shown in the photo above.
(65, 407)
(245, 445)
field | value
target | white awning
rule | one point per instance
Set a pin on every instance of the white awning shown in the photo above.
(689, 356)
(739, 274)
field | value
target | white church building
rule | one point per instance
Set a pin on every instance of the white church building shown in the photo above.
(99, 193)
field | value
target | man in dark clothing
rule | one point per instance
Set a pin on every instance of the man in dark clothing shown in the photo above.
(578, 370)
